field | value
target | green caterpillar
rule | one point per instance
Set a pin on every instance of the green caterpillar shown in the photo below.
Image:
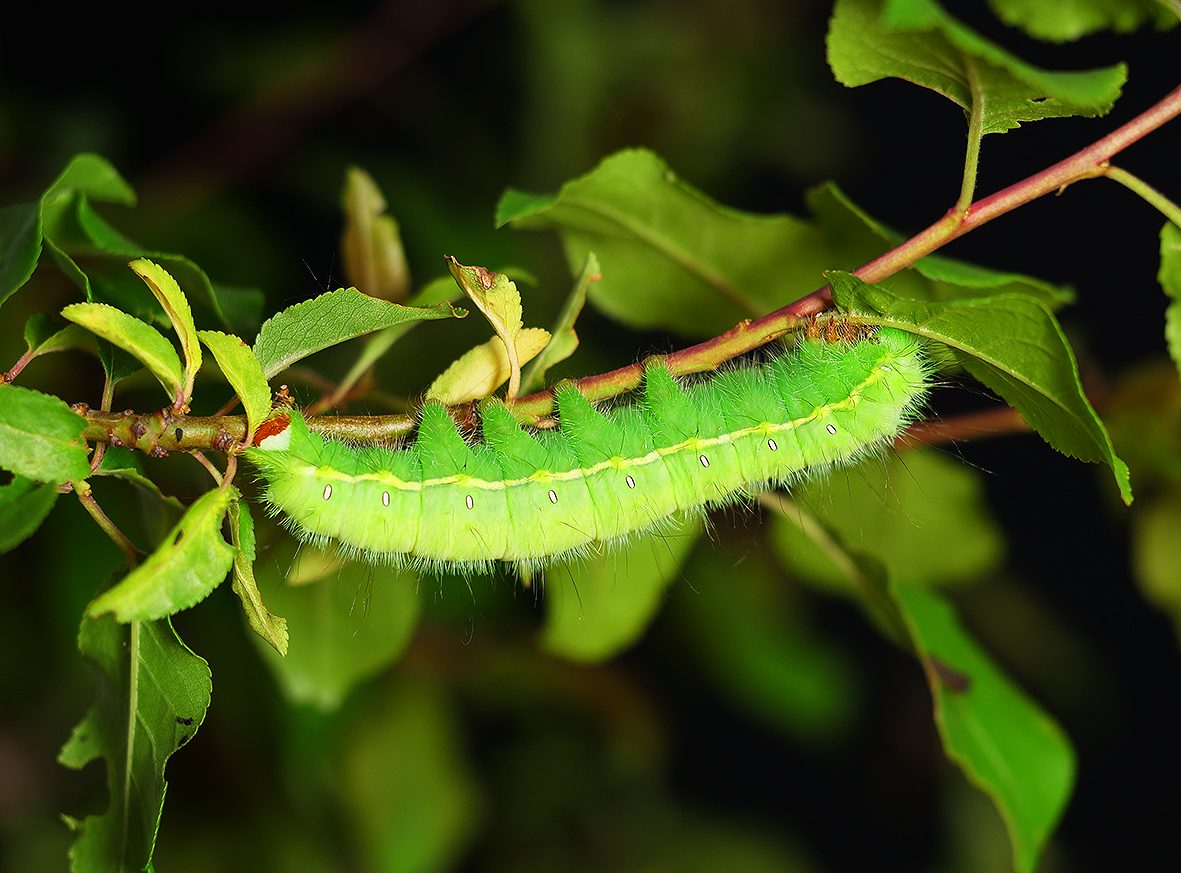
(535, 497)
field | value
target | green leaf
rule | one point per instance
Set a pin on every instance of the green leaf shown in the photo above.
(597, 607)
(20, 230)
(865, 574)
(437, 291)
(241, 305)
(1145, 423)
(24, 226)
(1170, 280)
(121, 463)
(94, 176)
(85, 177)
(563, 340)
(916, 40)
(1156, 553)
(347, 622)
(44, 335)
(1005, 744)
(670, 256)
(117, 364)
(329, 319)
(41, 437)
(93, 233)
(856, 238)
(244, 373)
(112, 282)
(24, 504)
(371, 245)
(411, 798)
(184, 569)
(1013, 345)
(75, 228)
(142, 341)
(176, 307)
(154, 695)
(692, 841)
(272, 628)
(919, 514)
(752, 640)
(59, 224)
(1066, 20)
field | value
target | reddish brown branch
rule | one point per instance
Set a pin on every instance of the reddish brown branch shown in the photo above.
(195, 433)
(970, 426)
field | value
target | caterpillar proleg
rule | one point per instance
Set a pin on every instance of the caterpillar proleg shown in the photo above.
(533, 497)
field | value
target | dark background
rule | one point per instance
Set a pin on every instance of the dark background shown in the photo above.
(236, 129)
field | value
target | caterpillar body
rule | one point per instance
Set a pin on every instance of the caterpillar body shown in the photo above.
(533, 497)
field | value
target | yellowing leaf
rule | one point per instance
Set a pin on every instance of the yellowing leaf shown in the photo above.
(485, 368)
(495, 295)
(244, 373)
(176, 306)
(371, 246)
(135, 337)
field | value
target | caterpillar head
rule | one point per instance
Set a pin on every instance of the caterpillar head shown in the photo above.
(274, 434)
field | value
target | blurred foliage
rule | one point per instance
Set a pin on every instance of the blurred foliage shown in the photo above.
(753, 722)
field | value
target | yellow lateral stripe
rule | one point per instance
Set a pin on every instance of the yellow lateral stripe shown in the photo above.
(389, 480)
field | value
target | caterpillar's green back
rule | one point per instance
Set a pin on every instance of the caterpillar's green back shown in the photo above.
(532, 497)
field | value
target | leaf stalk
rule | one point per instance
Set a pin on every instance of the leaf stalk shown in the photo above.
(1167, 208)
